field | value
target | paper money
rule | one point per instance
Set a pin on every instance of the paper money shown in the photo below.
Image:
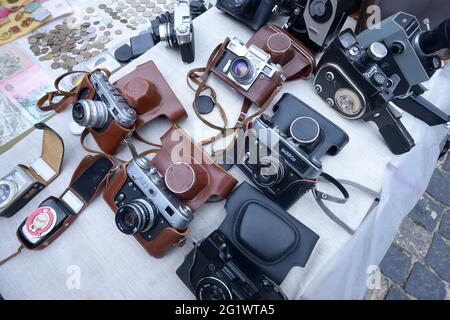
(25, 89)
(12, 61)
(12, 121)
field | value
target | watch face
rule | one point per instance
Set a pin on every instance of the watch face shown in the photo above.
(8, 191)
(40, 222)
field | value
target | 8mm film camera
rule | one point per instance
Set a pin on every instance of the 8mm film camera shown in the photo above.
(361, 79)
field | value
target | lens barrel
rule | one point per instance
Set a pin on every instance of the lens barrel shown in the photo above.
(90, 114)
(136, 217)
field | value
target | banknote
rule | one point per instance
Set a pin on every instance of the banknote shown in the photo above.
(12, 120)
(12, 61)
(25, 89)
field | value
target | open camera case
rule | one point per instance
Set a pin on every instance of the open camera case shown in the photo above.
(144, 89)
(44, 170)
(297, 61)
(87, 181)
(218, 184)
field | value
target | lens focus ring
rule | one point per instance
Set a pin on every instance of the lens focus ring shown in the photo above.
(136, 217)
(90, 113)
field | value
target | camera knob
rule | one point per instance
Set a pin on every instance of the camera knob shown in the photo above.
(141, 95)
(377, 51)
(305, 130)
(185, 180)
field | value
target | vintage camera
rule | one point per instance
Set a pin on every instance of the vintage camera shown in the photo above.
(155, 200)
(253, 13)
(316, 22)
(246, 258)
(362, 82)
(282, 153)
(15, 190)
(146, 204)
(108, 105)
(412, 56)
(244, 66)
(176, 30)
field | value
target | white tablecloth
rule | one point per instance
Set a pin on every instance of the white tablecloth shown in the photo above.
(115, 266)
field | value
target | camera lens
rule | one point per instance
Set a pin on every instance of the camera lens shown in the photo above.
(136, 217)
(90, 114)
(212, 288)
(269, 171)
(168, 35)
(348, 102)
(7, 191)
(241, 69)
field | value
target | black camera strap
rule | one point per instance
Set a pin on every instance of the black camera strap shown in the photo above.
(321, 197)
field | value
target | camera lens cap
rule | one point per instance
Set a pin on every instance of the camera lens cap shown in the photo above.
(123, 54)
(204, 104)
(305, 130)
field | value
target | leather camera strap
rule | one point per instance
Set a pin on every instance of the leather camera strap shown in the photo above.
(138, 137)
(339, 184)
(199, 77)
(46, 102)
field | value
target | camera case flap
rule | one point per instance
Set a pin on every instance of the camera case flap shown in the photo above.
(40, 173)
(55, 215)
(297, 61)
(261, 91)
(332, 138)
(147, 92)
(212, 182)
(266, 234)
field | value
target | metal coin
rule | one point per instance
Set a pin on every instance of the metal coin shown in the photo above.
(90, 10)
(118, 32)
(55, 65)
(157, 10)
(102, 6)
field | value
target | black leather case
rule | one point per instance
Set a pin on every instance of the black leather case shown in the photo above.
(266, 234)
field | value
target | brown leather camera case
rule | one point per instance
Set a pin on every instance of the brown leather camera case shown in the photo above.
(297, 61)
(213, 182)
(84, 165)
(146, 91)
(259, 93)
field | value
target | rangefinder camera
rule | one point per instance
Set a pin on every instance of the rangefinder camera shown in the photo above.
(16, 189)
(146, 205)
(244, 66)
(282, 153)
(178, 32)
(107, 106)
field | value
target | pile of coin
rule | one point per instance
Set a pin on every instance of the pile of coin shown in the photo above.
(66, 45)
(134, 13)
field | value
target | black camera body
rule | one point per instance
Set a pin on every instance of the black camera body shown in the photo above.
(350, 80)
(316, 22)
(282, 154)
(253, 13)
(250, 254)
(367, 79)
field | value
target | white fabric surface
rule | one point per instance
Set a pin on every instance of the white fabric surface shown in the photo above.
(114, 266)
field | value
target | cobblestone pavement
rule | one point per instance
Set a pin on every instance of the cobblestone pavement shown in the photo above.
(417, 265)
